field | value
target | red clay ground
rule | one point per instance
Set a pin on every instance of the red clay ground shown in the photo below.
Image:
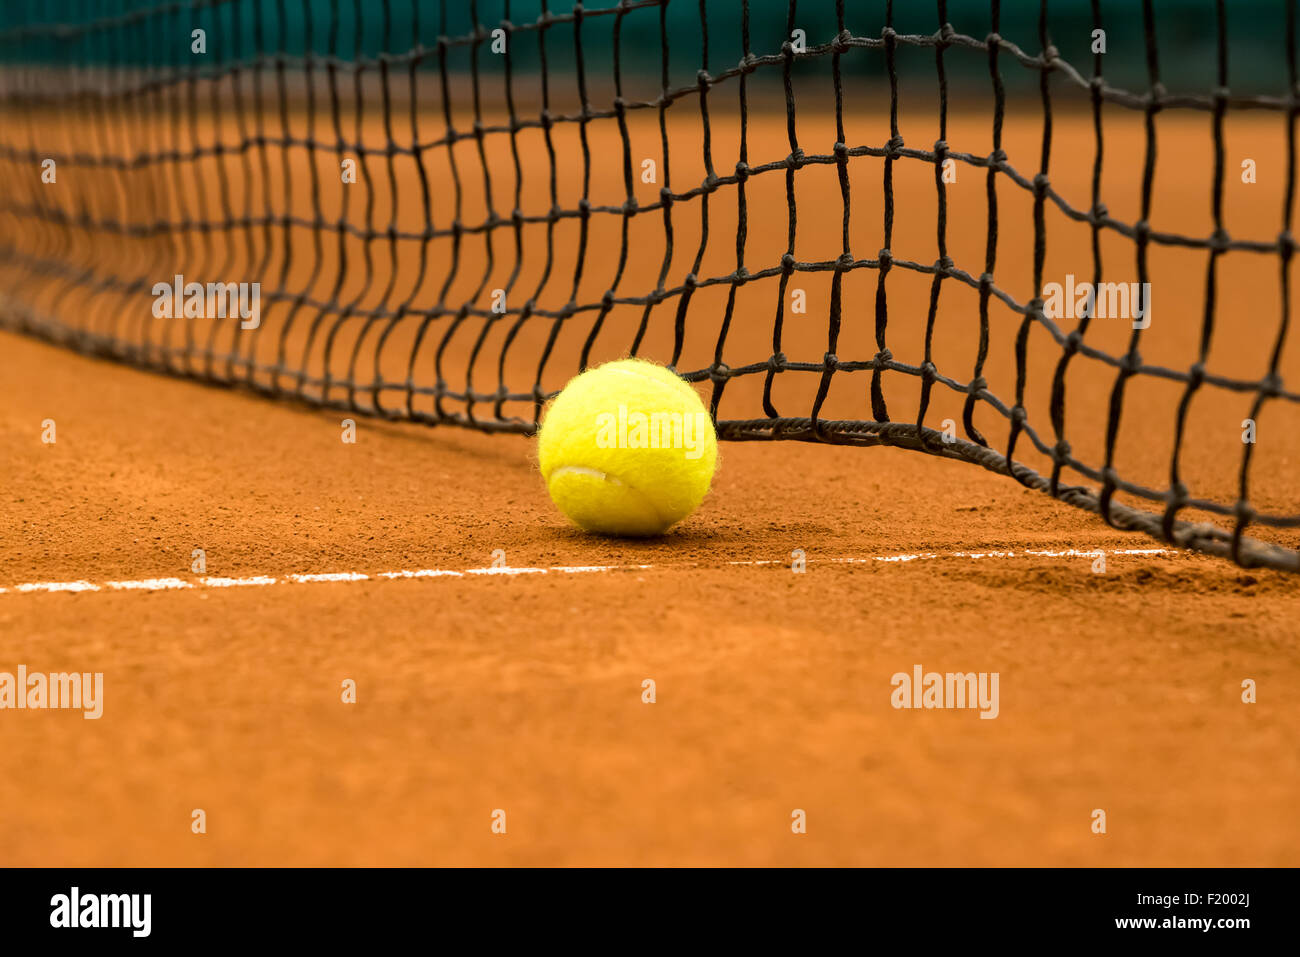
(1118, 691)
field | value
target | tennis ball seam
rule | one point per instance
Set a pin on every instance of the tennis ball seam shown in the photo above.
(606, 477)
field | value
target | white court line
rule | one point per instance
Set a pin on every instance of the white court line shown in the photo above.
(150, 584)
(211, 581)
(330, 577)
(422, 573)
(237, 582)
(1074, 553)
(503, 570)
(56, 586)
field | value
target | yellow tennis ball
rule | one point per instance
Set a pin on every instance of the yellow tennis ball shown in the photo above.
(627, 448)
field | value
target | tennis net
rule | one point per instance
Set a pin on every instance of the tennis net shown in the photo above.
(440, 215)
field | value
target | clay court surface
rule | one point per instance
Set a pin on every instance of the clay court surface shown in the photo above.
(523, 691)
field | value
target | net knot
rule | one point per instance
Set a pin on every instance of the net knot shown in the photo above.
(1018, 415)
(630, 206)
(843, 261)
(943, 265)
(882, 359)
(584, 207)
(928, 371)
(740, 275)
(1196, 375)
(893, 146)
(517, 216)
(841, 151)
(1061, 452)
(1097, 215)
(977, 385)
(1220, 240)
(1155, 98)
(742, 171)
(888, 33)
(703, 79)
(719, 372)
(830, 361)
(1243, 511)
(748, 63)
(1178, 495)
(620, 105)
(1050, 54)
(607, 300)
(1131, 364)
(1142, 231)
(841, 42)
(940, 150)
(1041, 183)
(795, 159)
(1271, 386)
(545, 116)
(666, 197)
(886, 259)
(997, 158)
(1072, 343)
(1286, 244)
(787, 264)
(993, 40)
(776, 363)
(690, 281)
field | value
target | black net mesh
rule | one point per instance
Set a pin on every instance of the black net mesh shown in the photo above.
(449, 212)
